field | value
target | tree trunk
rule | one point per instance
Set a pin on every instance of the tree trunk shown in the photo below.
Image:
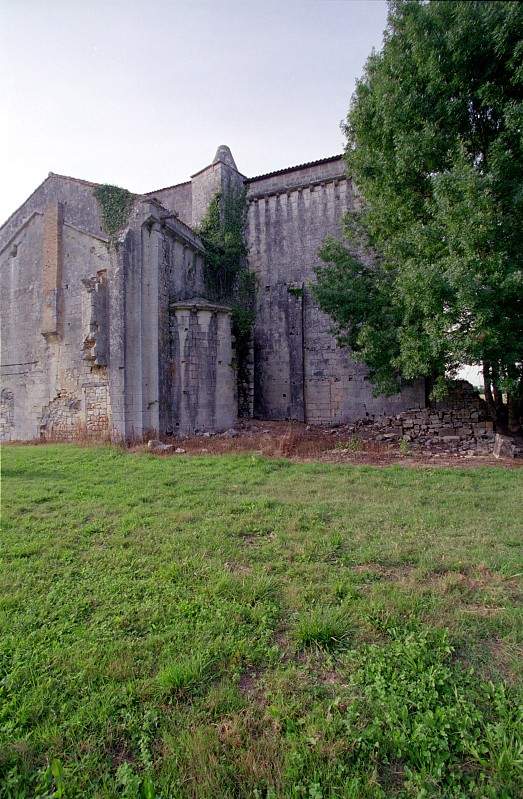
(489, 399)
(429, 385)
(514, 413)
(501, 409)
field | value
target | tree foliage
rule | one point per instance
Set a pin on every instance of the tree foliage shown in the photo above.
(432, 276)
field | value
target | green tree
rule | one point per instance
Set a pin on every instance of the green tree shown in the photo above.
(432, 274)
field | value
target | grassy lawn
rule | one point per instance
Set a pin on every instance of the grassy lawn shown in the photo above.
(240, 627)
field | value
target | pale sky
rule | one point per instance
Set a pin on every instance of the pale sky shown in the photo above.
(141, 94)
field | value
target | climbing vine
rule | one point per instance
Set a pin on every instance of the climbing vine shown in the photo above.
(222, 233)
(115, 206)
(227, 277)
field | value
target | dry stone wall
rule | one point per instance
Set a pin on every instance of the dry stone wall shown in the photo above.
(458, 424)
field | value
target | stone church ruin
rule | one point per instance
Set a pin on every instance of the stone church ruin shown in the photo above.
(114, 335)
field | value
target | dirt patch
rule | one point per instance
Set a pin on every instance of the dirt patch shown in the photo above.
(391, 776)
(372, 568)
(482, 610)
(481, 579)
(240, 569)
(249, 685)
(251, 741)
(252, 539)
(445, 580)
(479, 592)
(400, 572)
(503, 655)
(120, 752)
(284, 644)
(331, 677)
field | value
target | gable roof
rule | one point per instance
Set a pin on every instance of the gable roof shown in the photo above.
(49, 177)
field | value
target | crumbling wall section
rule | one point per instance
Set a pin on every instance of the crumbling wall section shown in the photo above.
(80, 207)
(162, 262)
(245, 374)
(23, 348)
(55, 372)
(458, 423)
(7, 408)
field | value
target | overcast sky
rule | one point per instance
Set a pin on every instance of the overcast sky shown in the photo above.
(141, 94)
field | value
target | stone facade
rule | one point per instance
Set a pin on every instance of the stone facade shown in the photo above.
(203, 385)
(300, 372)
(115, 337)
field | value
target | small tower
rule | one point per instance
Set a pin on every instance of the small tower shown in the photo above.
(217, 178)
(224, 155)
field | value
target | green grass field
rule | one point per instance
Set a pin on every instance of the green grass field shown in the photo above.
(239, 627)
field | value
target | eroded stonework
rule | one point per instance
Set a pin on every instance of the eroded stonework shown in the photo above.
(115, 337)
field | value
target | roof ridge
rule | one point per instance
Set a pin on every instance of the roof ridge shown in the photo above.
(76, 180)
(297, 166)
(164, 188)
(3, 225)
(50, 175)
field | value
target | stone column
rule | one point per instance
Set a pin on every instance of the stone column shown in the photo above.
(117, 377)
(204, 389)
(52, 270)
(151, 243)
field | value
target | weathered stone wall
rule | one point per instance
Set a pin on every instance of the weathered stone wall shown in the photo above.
(47, 369)
(23, 348)
(80, 207)
(88, 341)
(87, 345)
(177, 198)
(160, 261)
(245, 373)
(203, 373)
(7, 414)
(300, 372)
(218, 178)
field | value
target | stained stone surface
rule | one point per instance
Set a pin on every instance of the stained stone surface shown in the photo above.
(114, 338)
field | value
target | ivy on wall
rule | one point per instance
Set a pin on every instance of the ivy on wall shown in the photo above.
(227, 277)
(222, 232)
(115, 206)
